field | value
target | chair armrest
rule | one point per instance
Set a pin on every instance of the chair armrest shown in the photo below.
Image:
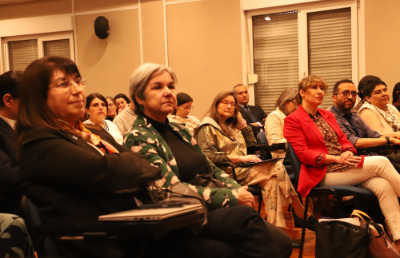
(273, 147)
(363, 151)
(119, 228)
(227, 164)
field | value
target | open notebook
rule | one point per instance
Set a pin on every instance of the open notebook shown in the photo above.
(150, 214)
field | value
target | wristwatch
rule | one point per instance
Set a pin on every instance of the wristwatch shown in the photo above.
(387, 140)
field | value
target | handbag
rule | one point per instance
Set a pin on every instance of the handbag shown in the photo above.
(336, 238)
(380, 244)
(181, 193)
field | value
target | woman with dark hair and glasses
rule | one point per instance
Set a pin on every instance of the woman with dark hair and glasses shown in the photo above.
(223, 135)
(181, 114)
(376, 111)
(96, 112)
(396, 94)
(112, 108)
(70, 174)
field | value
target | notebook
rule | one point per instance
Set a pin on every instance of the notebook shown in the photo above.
(150, 214)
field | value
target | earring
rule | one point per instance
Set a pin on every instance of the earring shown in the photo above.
(87, 115)
(141, 108)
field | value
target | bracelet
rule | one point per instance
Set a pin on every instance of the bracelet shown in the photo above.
(387, 140)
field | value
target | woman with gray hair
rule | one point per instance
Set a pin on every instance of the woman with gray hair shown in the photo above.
(234, 231)
(285, 105)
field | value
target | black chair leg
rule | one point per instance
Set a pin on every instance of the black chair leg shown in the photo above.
(303, 231)
(339, 205)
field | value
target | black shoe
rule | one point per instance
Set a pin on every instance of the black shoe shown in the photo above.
(310, 224)
(295, 244)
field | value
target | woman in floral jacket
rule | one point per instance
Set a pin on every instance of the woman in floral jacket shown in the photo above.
(235, 231)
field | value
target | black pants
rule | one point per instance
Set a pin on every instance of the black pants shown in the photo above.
(239, 232)
(235, 232)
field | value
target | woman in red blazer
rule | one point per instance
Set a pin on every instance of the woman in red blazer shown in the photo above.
(327, 157)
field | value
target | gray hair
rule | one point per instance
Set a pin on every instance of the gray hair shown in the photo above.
(141, 77)
(234, 88)
(287, 95)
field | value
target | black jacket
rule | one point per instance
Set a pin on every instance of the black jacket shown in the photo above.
(259, 115)
(70, 182)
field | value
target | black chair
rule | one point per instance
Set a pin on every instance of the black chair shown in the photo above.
(377, 149)
(262, 138)
(253, 189)
(337, 190)
(44, 235)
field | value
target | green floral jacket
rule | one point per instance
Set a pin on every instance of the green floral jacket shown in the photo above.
(145, 139)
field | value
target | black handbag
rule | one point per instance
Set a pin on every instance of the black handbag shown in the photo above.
(180, 193)
(341, 239)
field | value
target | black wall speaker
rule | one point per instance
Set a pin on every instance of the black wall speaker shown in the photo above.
(101, 27)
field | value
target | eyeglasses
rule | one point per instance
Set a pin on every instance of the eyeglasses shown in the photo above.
(346, 93)
(226, 103)
(64, 84)
(187, 108)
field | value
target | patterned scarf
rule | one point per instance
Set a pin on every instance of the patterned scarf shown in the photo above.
(89, 137)
(390, 117)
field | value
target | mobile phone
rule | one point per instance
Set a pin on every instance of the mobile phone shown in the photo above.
(161, 205)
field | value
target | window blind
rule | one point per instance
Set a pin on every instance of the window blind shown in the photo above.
(22, 53)
(57, 48)
(329, 48)
(276, 60)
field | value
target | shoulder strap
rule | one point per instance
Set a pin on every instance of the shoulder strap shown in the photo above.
(361, 215)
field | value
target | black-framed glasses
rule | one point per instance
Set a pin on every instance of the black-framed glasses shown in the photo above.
(346, 93)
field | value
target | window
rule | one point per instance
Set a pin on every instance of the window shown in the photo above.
(329, 47)
(19, 52)
(276, 56)
(22, 53)
(291, 44)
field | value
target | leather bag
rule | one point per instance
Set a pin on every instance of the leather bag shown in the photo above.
(178, 192)
(380, 244)
(341, 239)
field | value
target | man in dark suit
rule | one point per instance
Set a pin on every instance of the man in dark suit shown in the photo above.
(254, 115)
(9, 169)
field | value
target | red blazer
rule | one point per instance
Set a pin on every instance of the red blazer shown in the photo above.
(308, 144)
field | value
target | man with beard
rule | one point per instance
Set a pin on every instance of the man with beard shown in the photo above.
(356, 130)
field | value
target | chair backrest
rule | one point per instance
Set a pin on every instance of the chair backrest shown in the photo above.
(261, 138)
(294, 160)
(44, 246)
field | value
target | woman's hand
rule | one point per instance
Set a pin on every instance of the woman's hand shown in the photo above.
(354, 160)
(249, 158)
(346, 155)
(245, 197)
(241, 123)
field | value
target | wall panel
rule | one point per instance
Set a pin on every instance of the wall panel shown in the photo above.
(153, 31)
(90, 5)
(204, 48)
(382, 37)
(107, 64)
(35, 9)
